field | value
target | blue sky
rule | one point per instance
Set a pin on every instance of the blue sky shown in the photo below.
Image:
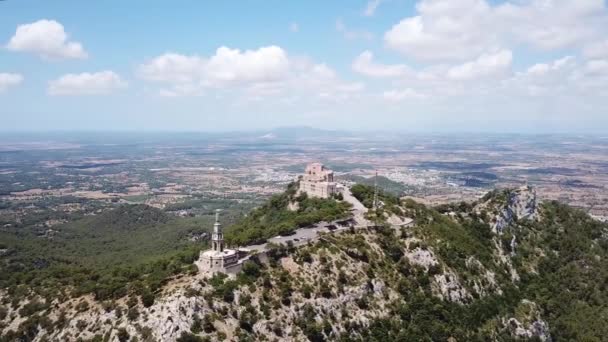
(428, 65)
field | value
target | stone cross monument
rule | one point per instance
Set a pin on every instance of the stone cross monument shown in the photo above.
(218, 258)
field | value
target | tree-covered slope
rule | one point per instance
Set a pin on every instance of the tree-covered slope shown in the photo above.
(282, 214)
(453, 276)
(101, 254)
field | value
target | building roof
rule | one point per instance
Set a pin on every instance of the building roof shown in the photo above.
(218, 254)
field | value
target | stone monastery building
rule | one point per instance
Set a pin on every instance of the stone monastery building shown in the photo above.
(318, 181)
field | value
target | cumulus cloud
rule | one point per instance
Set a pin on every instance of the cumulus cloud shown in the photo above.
(8, 80)
(365, 65)
(440, 80)
(262, 72)
(491, 76)
(487, 65)
(47, 38)
(173, 67)
(266, 64)
(552, 77)
(443, 30)
(97, 83)
(540, 69)
(462, 29)
(554, 24)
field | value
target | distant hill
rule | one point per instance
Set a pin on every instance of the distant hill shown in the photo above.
(302, 133)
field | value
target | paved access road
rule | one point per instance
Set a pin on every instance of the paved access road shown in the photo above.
(303, 235)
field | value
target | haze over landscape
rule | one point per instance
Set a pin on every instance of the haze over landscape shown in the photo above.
(381, 170)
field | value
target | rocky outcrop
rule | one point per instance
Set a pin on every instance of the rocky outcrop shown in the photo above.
(421, 257)
(522, 204)
(448, 287)
(528, 323)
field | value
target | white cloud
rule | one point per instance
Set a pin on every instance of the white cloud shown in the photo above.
(173, 67)
(443, 30)
(401, 95)
(365, 65)
(318, 79)
(541, 79)
(540, 69)
(8, 80)
(267, 64)
(47, 38)
(294, 27)
(494, 79)
(351, 34)
(598, 67)
(371, 7)
(462, 29)
(597, 50)
(552, 24)
(266, 71)
(98, 83)
(487, 65)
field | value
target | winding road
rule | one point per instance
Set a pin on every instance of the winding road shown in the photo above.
(303, 235)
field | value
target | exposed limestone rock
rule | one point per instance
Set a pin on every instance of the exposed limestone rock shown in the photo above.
(527, 323)
(448, 287)
(506, 260)
(486, 283)
(521, 204)
(290, 265)
(422, 257)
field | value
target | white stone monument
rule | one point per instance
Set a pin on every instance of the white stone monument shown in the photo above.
(218, 258)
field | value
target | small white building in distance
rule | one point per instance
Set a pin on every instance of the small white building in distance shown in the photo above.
(318, 181)
(218, 258)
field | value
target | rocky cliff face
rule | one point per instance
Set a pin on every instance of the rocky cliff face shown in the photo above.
(521, 204)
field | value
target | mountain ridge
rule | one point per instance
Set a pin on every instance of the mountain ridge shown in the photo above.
(449, 277)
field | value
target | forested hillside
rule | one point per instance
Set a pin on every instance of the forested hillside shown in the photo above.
(284, 213)
(505, 268)
(100, 254)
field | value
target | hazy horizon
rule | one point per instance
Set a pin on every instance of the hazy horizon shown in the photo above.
(597, 133)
